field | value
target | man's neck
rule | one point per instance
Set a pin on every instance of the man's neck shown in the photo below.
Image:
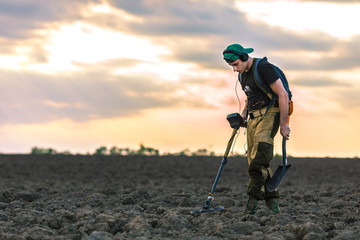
(249, 63)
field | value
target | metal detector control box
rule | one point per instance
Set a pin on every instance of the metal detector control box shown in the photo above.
(235, 120)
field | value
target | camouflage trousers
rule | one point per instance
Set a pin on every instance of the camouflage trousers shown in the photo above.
(260, 139)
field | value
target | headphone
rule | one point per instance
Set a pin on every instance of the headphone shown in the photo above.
(242, 56)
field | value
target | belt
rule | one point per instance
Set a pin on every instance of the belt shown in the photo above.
(261, 112)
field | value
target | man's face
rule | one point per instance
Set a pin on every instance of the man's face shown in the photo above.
(238, 66)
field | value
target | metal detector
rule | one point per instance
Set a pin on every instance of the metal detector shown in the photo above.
(235, 121)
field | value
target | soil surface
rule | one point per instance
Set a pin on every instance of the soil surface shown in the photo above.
(139, 197)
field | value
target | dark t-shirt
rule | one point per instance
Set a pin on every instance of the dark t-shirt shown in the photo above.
(257, 99)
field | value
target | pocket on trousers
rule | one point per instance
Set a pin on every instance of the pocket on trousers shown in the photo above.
(276, 125)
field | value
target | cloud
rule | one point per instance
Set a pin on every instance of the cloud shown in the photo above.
(194, 32)
(348, 98)
(319, 82)
(332, 1)
(199, 32)
(25, 23)
(94, 94)
(22, 16)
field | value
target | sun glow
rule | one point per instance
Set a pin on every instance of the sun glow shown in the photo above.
(87, 43)
(304, 16)
(13, 62)
(101, 8)
(164, 70)
(81, 43)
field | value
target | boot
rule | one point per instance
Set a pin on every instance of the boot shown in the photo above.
(251, 206)
(273, 205)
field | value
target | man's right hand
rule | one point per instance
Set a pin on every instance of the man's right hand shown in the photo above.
(285, 131)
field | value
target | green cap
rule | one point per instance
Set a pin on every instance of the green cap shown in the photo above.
(231, 56)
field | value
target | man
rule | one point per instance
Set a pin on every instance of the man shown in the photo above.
(261, 127)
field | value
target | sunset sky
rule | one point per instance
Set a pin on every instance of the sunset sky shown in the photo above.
(79, 74)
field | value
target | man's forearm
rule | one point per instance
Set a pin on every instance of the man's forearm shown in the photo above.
(284, 108)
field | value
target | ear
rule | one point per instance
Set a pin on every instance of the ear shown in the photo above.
(244, 57)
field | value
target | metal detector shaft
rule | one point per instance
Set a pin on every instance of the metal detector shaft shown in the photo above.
(210, 198)
(235, 121)
(224, 160)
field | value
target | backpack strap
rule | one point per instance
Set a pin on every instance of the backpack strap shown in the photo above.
(259, 81)
(263, 85)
